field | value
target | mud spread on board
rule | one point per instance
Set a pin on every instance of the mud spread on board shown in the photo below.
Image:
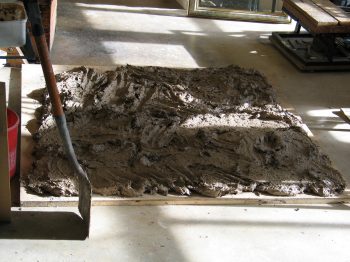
(213, 131)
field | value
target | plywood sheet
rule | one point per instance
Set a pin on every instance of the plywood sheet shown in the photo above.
(33, 79)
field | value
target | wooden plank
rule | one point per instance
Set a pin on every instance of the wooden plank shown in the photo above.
(339, 14)
(13, 51)
(5, 193)
(12, 79)
(189, 201)
(305, 21)
(309, 24)
(307, 8)
(29, 200)
(14, 91)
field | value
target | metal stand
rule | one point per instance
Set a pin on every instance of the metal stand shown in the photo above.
(313, 52)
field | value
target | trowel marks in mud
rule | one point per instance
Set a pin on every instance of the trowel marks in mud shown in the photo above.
(212, 131)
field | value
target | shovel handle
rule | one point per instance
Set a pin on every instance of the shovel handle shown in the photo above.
(49, 75)
(38, 32)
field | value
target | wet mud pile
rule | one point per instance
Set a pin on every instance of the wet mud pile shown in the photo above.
(212, 131)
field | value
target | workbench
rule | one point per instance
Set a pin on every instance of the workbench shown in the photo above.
(326, 46)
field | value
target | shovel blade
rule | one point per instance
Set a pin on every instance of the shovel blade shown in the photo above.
(85, 202)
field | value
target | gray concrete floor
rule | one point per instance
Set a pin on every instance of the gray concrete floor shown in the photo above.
(180, 233)
(120, 32)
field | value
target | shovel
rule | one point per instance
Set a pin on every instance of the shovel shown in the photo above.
(34, 16)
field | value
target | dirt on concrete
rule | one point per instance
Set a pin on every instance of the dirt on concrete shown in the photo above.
(212, 131)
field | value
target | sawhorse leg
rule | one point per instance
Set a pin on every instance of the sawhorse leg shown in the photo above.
(297, 28)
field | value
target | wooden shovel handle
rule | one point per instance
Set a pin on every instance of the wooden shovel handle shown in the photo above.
(49, 75)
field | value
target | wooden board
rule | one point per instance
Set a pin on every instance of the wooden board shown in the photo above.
(339, 14)
(309, 24)
(317, 16)
(12, 79)
(5, 193)
(32, 78)
(30, 200)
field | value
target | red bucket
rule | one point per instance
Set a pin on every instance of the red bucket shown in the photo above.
(12, 132)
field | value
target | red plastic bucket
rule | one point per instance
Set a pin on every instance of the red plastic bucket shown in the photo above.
(12, 132)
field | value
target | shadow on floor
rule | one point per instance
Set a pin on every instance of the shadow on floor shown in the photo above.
(43, 225)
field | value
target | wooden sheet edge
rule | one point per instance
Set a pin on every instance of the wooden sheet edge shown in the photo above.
(29, 200)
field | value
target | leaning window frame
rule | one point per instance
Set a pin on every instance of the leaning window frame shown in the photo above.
(212, 12)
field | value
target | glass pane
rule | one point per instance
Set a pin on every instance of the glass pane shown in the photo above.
(246, 5)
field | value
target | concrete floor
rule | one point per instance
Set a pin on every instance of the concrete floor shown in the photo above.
(120, 32)
(180, 233)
